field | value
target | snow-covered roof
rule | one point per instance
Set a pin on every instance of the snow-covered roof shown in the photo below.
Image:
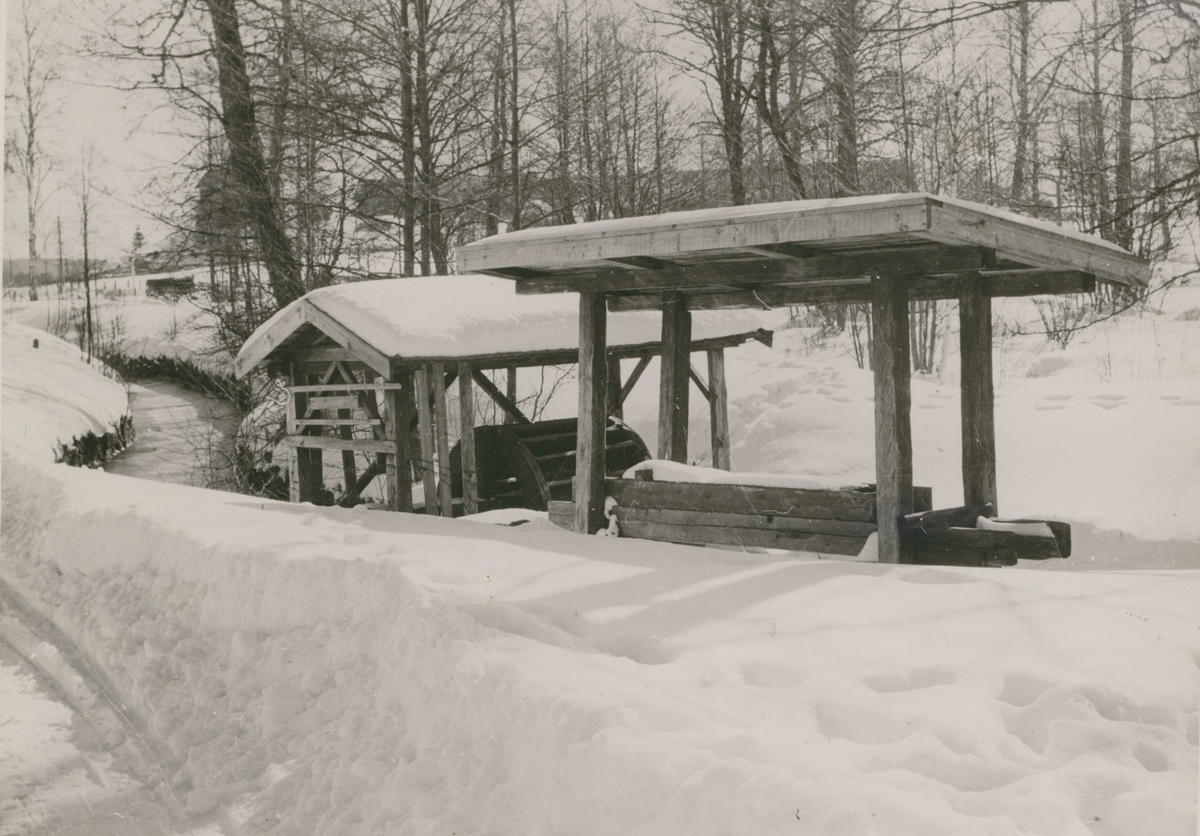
(435, 318)
(804, 229)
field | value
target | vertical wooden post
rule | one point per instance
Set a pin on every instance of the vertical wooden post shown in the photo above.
(893, 401)
(349, 471)
(978, 396)
(466, 416)
(442, 424)
(718, 409)
(399, 405)
(425, 431)
(310, 465)
(510, 390)
(293, 412)
(593, 387)
(674, 379)
(614, 406)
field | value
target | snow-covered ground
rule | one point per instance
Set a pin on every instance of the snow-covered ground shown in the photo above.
(275, 667)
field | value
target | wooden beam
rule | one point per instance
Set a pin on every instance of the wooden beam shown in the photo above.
(295, 407)
(256, 351)
(442, 424)
(1011, 283)
(400, 406)
(366, 352)
(718, 410)
(425, 431)
(643, 362)
(978, 396)
(324, 354)
(346, 423)
(673, 380)
(915, 260)
(510, 392)
(499, 397)
(346, 387)
(317, 443)
(699, 381)
(466, 445)
(893, 397)
(590, 437)
(613, 390)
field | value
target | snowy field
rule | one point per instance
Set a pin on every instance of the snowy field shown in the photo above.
(216, 664)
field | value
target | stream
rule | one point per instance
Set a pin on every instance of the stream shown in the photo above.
(182, 436)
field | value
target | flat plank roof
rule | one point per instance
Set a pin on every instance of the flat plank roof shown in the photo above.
(391, 323)
(810, 241)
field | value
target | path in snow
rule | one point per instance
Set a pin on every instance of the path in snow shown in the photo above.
(177, 429)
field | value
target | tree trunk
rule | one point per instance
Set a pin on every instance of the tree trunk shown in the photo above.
(1123, 233)
(246, 153)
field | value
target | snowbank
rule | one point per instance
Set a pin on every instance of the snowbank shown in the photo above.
(50, 396)
(333, 671)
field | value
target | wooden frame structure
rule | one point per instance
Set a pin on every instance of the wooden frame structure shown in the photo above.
(884, 250)
(356, 384)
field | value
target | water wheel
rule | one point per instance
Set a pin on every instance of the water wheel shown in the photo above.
(528, 465)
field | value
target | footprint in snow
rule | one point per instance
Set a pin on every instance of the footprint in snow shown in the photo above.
(941, 395)
(931, 406)
(1109, 401)
(1045, 406)
(1058, 397)
(1188, 402)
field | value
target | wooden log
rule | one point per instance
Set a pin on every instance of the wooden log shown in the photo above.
(744, 537)
(893, 432)
(978, 396)
(718, 410)
(673, 381)
(962, 516)
(976, 547)
(466, 415)
(590, 436)
(442, 425)
(425, 432)
(503, 401)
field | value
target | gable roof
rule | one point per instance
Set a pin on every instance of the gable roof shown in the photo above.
(392, 323)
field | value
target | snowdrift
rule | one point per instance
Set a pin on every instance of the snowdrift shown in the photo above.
(309, 670)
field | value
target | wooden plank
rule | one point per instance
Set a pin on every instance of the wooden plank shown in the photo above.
(324, 354)
(764, 271)
(667, 236)
(346, 387)
(765, 522)
(590, 435)
(1011, 283)
(1024, 242)
(562, 514)
(893, 432)
(294, 408)
(425, 432)
(718, 410)
(257, 350)
(335, 402)
(634, 376)
(855, 506)
(442, 425)
(978, 397)
(344, 336)
(319, 442)
(744, 537)
(337, 422)
(502, 400)
(466, 415)
(976, 547)
(673, 379)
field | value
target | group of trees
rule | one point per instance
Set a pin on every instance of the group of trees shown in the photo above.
(338, 138)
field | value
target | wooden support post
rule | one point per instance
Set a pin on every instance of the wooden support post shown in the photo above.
(978, 396)
(673, 386)
(294, 407)
(425, 431)
(349, 471)
(510, 392)
(893, 400)
(593, 386)
(399, 405)
(442, 424)
(615, 406)
(718, 409)
(466, 415)
(310, 465)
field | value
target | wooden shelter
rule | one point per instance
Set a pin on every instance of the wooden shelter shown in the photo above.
(369, 362)
(883, 250)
